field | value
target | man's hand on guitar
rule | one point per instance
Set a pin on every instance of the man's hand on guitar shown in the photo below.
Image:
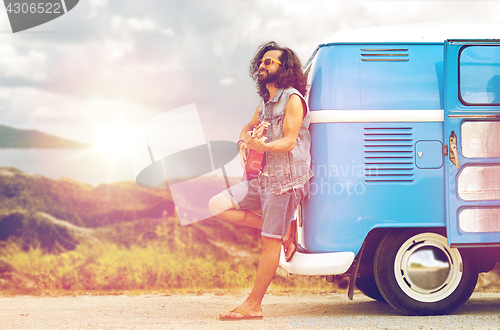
(256, 138)
(257, 144)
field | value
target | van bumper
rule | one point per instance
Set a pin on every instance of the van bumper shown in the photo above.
(332, 263)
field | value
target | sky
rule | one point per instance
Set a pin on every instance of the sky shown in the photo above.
(107, 65)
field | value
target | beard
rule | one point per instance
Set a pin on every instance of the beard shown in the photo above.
(268, 78)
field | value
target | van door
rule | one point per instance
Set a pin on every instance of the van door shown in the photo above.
(472, 142)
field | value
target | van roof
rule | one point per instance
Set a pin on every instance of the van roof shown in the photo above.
(416, 33)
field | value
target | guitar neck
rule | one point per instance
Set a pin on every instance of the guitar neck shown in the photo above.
(260, 130)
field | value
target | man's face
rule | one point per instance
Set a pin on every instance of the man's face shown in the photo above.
(268, 73)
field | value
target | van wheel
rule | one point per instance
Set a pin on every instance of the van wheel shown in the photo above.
(419, 274)
(367, 285)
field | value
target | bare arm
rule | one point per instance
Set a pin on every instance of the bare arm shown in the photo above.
(291, 126)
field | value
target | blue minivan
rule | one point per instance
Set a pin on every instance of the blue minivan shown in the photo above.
(405, 125)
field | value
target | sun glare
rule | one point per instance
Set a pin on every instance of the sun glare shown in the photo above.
(114, 140)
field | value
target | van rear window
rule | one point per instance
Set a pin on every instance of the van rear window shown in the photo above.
(479, 75)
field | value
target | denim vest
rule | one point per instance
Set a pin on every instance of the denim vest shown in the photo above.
(292, 169)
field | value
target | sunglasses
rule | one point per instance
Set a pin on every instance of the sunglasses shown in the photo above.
(267, 61)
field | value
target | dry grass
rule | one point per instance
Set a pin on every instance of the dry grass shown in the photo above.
(110, 269)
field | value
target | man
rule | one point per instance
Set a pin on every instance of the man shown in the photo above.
(284, 180)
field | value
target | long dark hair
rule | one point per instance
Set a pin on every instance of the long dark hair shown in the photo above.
(290, 72)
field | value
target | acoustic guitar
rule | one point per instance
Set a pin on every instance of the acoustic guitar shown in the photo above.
(255, 158)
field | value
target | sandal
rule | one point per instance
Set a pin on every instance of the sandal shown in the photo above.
(292, 239)
(245, 316)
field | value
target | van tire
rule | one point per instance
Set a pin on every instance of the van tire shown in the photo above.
(440, 286)
(367, 285)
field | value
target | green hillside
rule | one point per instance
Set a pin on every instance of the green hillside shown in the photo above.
(22, 139)
(32, 207)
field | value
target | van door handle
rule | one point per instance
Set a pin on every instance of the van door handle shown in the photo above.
(453, 149)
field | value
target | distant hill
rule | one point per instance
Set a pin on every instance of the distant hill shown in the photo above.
(19, 138)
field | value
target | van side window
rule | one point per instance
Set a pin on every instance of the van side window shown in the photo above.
(479, 75)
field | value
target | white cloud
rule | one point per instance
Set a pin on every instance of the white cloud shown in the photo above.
(31, 66)
(133, 24)
(140, 24)
(114, 49)
(96, 4)
(83, 119)
(6, 93)
(44, 112)
(168, 32)
(227, 81)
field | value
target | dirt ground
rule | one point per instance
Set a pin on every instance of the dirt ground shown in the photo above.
(192, 311)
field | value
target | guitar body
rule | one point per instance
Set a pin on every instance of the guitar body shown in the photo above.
(253, 164)
(255, 158)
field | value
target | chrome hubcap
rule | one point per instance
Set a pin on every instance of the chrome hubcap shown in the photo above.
(426, 269)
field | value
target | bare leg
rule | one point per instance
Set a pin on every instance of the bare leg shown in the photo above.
(292, 246)
(223, 208)
(269, 260)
